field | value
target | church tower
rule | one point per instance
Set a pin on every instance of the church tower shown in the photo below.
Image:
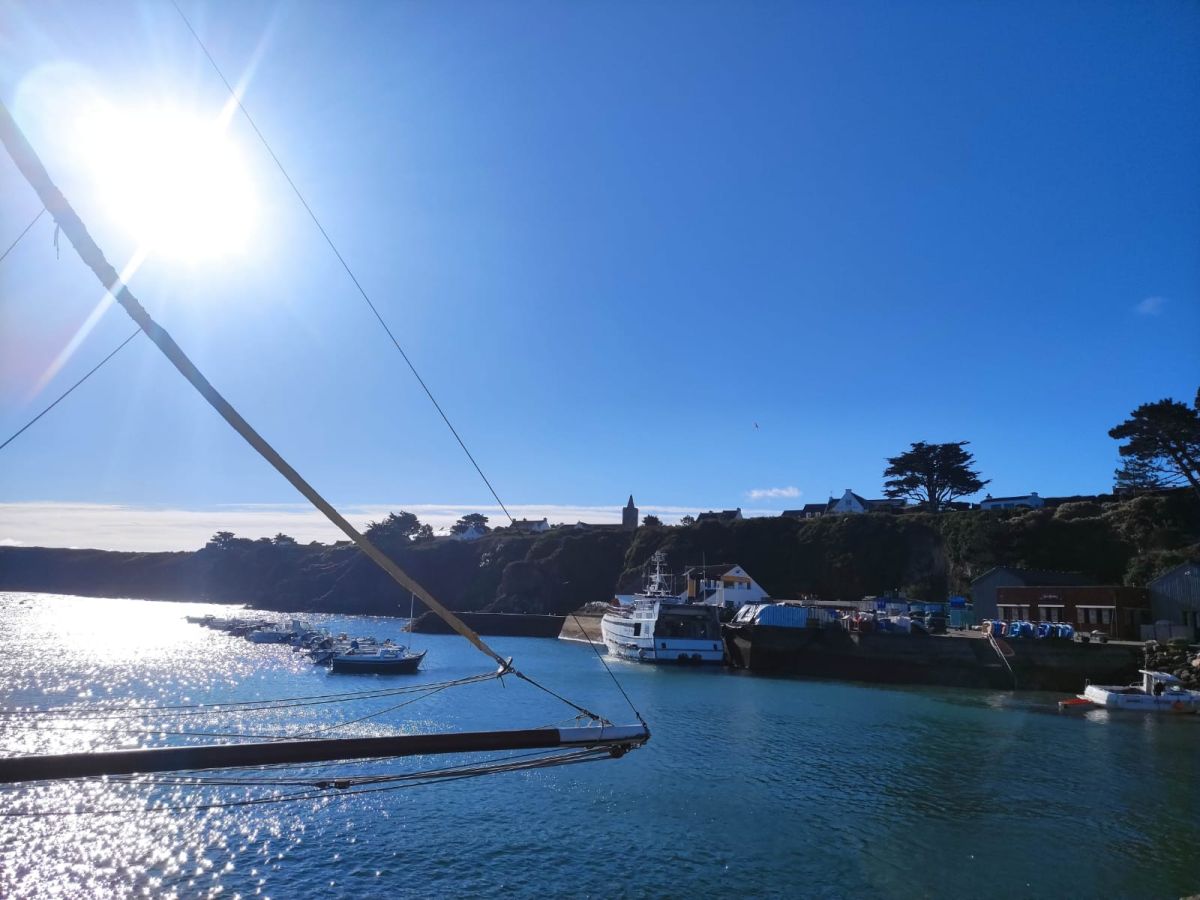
(629, 515)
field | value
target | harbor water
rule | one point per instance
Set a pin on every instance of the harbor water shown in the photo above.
(750, 786)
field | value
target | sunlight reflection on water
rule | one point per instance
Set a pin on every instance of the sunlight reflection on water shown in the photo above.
(750, 786)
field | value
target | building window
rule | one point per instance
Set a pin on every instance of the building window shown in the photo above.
(1106, 616)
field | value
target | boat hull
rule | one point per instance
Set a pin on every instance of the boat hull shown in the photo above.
(1118, 698)
(371, 665)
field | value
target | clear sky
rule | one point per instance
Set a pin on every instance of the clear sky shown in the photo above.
(685, 250)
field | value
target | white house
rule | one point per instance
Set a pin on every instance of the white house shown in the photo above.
(1030, 501)
(471, 534)
(725, 584)
(530, 526)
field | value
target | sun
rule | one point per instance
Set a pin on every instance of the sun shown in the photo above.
(176, 182)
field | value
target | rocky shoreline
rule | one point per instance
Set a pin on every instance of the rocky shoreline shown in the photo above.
(1176, 658)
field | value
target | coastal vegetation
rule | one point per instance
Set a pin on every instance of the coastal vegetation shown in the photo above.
(1109, 539)
(1162, 446)
(932, 475)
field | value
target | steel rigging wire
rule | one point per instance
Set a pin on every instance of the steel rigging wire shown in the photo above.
(341, 259)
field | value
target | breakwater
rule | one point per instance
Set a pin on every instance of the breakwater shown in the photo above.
(493, 624)
(960, 660)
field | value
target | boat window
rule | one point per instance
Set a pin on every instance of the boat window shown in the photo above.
(637, 629)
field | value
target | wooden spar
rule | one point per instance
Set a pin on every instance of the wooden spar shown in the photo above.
(72, 226)
(618, 738)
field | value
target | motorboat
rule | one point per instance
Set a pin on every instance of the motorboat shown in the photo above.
(1159, 692)
(661, 627)
(386, 659)
(271, 634)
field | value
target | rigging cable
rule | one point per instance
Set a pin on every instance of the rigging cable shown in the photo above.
(93, 257)
(63, 395)
(91, 254)
(348, 786)
(604, 663)
(4, 255)
(341, 259)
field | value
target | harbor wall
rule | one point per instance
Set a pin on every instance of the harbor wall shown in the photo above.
(494, 624)
(956, 660)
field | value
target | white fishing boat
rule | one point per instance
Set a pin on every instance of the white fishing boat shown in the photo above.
(1159, 692)
(660, 627)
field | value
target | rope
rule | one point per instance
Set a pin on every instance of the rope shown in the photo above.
(341, 259)
(345, 785)
(172, 711)
(63, 395)
(4, 255)
(66, 217)
(604, 663)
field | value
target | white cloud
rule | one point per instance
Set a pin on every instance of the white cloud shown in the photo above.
(114, 527)
(1150, 306)
(773, 493)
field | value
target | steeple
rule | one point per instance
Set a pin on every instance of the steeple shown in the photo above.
(629, 515)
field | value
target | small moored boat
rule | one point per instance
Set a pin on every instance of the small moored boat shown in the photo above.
(384, 660)
(1159, 692)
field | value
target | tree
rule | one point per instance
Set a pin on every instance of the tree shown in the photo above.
(932, 474)
(222, 540)
(397, 525)
(1162, 445)
(469, 521)
(283, 540)
(689, 519)
(651, 520)
(424, 533)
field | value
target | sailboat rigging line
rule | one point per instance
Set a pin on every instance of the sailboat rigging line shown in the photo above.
(63, 395)
(322, 778)
(245, 706)
(4, 255)
(371, 715)
(70, 223)
(341, 259)
(583, 710)
(345, 788)
(604, 663)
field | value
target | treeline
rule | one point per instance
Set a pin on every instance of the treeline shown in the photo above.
(929, 556)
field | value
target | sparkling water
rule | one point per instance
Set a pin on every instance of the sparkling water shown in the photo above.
(750, 786)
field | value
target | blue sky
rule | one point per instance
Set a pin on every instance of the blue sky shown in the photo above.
(614, 237)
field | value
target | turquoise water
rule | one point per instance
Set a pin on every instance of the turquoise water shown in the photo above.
(750, 786)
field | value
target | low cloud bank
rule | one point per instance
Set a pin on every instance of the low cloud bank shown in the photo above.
(115, 527)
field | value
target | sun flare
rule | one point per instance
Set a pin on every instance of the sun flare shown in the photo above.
(176, 182)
